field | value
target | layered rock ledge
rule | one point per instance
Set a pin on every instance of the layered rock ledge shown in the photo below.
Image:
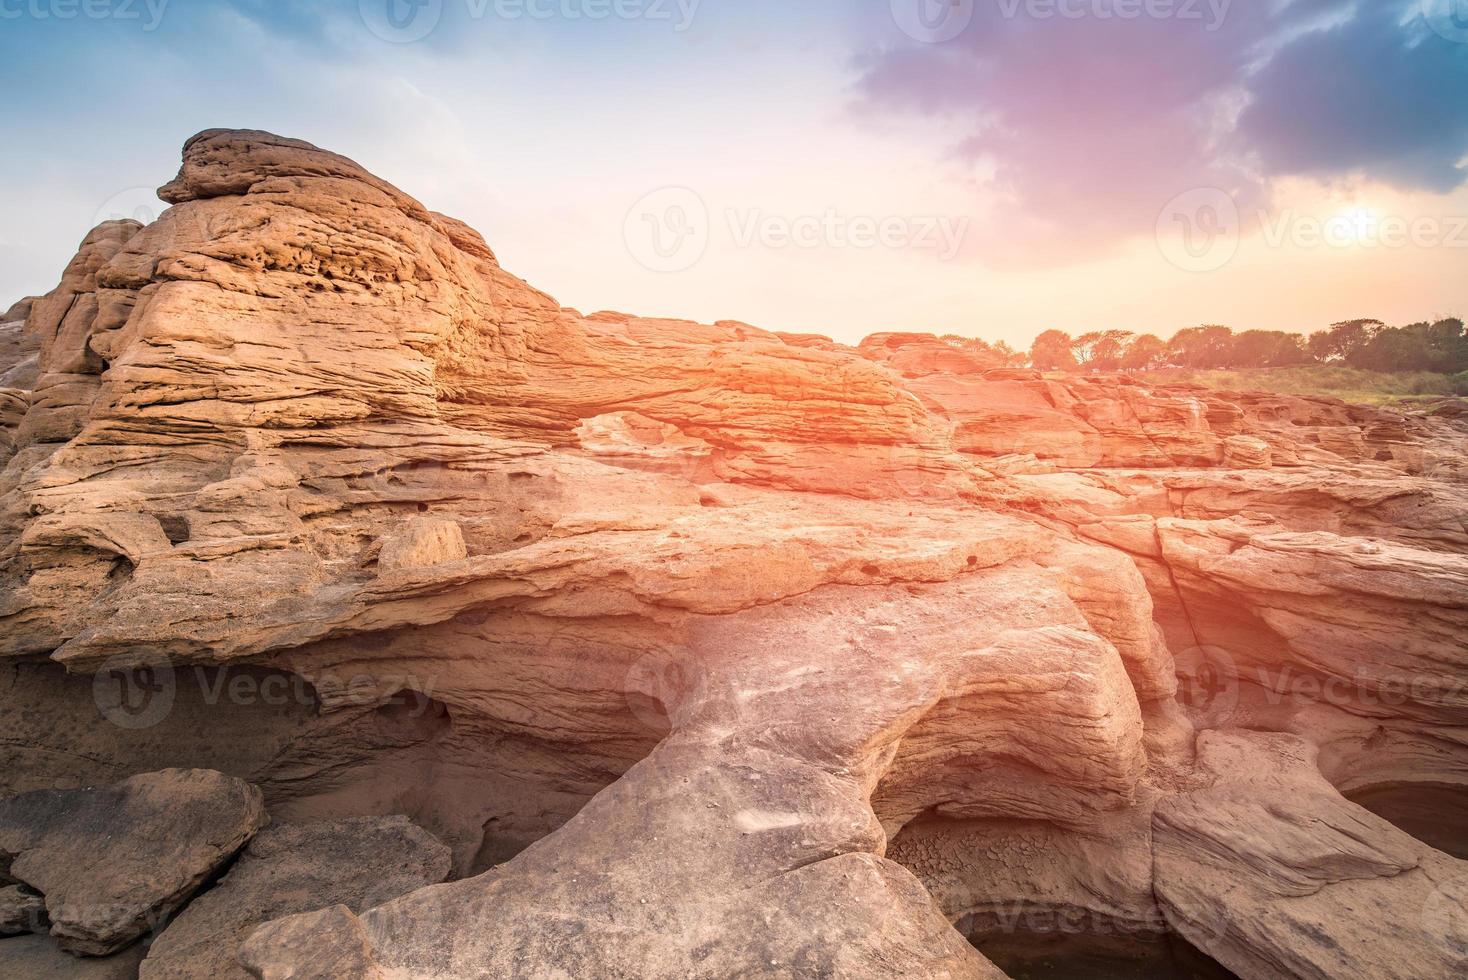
(706, 651)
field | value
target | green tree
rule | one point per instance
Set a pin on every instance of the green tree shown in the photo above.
(1448, 342)
(1201, 347)
(1267, 348)
(1343, 339)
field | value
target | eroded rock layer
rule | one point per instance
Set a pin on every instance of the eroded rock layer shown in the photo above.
(705, 651)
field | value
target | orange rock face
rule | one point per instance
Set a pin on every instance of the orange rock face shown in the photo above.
(708, 651)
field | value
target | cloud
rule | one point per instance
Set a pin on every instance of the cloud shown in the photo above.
(1085, 125)
(1378, 94)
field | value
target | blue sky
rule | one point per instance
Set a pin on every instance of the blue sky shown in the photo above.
(1051, 136)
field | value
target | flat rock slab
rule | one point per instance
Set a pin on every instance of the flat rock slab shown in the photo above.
(39, 958)
(293, 868)
(114, 862)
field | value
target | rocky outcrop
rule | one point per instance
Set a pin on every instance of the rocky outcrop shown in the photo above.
(114, 863)
(706, 651)
(291, 868)
(1274, 874)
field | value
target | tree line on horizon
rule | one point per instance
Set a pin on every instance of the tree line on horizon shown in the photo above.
(1440, 346)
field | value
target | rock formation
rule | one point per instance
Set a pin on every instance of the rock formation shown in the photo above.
(356, 863)
(113, 863)
(706, 651)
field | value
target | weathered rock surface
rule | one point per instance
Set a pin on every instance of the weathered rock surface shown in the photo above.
(115, 862)
(707, 651)
(1271, 872)
(423, 542)
(291, 868)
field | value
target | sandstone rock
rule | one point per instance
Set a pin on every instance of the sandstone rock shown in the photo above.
(39, 958)
(1271, 872)
(916, 355)
(667, 629)
(341, 948)
(630, 439)
(1004, 875)
(288, 869)
(1246, 453)
(115, 862)
(426, 541)
(756, 803)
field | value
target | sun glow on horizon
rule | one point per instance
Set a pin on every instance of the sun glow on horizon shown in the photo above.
(1355, 225)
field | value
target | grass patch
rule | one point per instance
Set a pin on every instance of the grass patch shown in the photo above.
(1336, 381)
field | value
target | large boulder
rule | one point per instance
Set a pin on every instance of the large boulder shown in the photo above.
(115, 862)
(357, 863)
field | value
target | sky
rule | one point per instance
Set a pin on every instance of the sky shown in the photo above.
(990, 168)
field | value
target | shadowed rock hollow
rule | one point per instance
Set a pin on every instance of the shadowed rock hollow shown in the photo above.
(707, 651)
